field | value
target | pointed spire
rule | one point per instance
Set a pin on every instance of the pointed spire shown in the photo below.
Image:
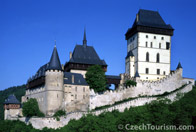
(179, 66)
(54, 63)
(136, 74)
(84, 38)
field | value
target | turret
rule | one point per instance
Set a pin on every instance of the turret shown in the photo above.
(179, 67)
(84, 39)
(54, 84)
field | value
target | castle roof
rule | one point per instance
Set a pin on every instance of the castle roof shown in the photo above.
(150, 19)
(179, 66)
(11, 100)
(130, 53)
(84, 54)
(78, 79)
(150, 22)
(54, 63)
(136, 74)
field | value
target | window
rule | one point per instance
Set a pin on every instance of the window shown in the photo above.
(57, 95)
(157, 77)
(158, 71)
(83, 89)
(146, 77)
(147, 57)
(146, 36)
(146, 44)
(75, 88)
(154, 37)
(133, 38)
(164, 73)
(146, 70)
(83, 96)
(151, 45)
(159, 45)
(158, 58)
(162, 38)
(167, 45)
(76, 96)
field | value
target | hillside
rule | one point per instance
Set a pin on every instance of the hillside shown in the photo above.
(18, 91)
(181, 112)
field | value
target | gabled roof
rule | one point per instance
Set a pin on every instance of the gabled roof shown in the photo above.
(55, 63)
(78, 79)
(130, 53)
(11, 100)
(86, 55)
(150, 19)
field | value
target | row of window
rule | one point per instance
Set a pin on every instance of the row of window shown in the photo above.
(77, 89)
(151, 45)
(76, 96)
(162, 38)
(158, 71)
(157, 57)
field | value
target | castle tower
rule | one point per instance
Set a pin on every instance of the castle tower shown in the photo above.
(149, 46)
(12, 108)
(54, 84)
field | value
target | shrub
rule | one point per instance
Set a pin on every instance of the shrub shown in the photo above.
(60, 113)
(31, 108)
(129, 83)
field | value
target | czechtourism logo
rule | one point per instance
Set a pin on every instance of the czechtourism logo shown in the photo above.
(130, 127)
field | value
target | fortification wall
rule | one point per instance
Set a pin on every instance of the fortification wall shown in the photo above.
(143, 88)
(40, 123)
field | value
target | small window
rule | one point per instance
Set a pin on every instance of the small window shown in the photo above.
(146, 36)
(76, 96)
(158, 58)
(158, 71)
(159, 45)
(75, 88)
(133, 38)
(146, 77)
(147, 57)
(167, 45)
(164, 73)
(146, 70)
(151, 45)
(83, 96)
(162, 38)
(154, 37)
(57, 95)
(157, 77)
(146, 44)
(83, 89)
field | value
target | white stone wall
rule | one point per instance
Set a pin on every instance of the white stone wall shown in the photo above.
(40, 123)
(12, 113)
(143, 88)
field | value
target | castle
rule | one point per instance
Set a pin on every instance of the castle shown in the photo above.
(148, 61)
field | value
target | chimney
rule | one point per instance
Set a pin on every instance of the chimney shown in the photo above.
(70, 55)
(72, 79)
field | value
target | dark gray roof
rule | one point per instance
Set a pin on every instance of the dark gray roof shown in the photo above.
(136, 74)
(78, 79)
(130, 53)
(179, 66)
(39, 73)
(11, 100)
(54, 63)
(86, 55)
(113, 77)
(150, 19)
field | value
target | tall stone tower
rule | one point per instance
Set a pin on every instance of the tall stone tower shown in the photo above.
(54, 84)
(148, 46)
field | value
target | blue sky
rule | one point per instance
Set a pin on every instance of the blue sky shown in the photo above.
(28, 29)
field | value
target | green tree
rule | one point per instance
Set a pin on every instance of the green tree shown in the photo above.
(129, 83)
(95, 77)
(31, 108)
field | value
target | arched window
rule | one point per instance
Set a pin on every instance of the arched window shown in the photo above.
(159, 45)
(158, 57)
(147, 57)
